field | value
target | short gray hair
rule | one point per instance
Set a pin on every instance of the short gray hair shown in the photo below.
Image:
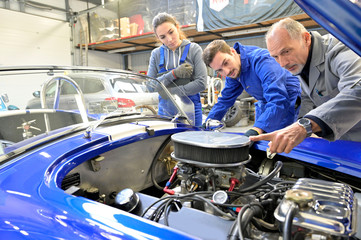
(295, 29)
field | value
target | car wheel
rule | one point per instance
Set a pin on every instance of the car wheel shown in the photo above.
(233, 115)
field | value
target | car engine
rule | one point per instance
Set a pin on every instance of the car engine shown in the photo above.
(219, 189)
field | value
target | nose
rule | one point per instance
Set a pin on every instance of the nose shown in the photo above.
(282, 61)
(169, 37)
(226, 70)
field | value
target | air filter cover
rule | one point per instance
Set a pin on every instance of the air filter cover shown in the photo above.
(213, 148)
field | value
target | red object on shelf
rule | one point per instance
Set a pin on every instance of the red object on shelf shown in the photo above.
(138, 19)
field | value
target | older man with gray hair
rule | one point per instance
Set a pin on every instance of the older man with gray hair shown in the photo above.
(330, 75)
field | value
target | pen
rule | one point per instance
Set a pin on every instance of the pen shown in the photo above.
(318, 92)
(353, 85)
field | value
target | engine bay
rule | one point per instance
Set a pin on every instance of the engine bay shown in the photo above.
(213, 185)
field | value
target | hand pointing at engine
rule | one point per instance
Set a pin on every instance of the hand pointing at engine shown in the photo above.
(284, 140)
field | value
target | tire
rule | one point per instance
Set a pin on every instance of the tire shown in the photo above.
(233, 115)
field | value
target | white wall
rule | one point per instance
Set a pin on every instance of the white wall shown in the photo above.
(27, 39)
(99, 59)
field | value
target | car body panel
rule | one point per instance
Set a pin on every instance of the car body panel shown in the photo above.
(51, 210)
(341, 156)
(54, 213)
(341, 18)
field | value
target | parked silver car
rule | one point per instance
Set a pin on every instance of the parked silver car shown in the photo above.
(103, 93)
(71, 94)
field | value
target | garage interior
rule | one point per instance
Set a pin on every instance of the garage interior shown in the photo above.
(118, 34)
(84, 33)
(143, 150)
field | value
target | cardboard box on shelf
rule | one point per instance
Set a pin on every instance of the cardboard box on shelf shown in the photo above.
(124, 27)
(133, 29)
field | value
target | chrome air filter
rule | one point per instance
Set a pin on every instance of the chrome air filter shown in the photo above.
(211, 149)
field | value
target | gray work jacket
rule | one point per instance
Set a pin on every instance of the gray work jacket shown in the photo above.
(334, 91)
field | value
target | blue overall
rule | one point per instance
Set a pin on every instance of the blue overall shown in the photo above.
(166, 107)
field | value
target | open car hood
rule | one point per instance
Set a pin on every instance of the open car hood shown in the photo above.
(341, 18)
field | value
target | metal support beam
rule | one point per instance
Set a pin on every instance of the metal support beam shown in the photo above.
(43, 6)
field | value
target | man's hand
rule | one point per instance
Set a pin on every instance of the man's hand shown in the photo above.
(183, 71)
(283, 140)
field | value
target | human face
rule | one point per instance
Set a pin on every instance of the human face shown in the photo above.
(168, 34)
(290, 53)
(228, 65)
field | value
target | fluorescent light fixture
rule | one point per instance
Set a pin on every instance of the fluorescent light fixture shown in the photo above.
(127, 49)
(244, 32)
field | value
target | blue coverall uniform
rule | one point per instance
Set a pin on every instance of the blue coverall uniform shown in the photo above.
(277, 92)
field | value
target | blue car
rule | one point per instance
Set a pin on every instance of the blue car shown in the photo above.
(135, 174)
(4, 99)
(2, 104)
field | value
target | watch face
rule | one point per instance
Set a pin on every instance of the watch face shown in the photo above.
(304, 121)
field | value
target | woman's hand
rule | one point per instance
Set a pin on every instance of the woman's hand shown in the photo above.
(183, 71)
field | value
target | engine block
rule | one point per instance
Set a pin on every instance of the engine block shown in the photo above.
(324, 208)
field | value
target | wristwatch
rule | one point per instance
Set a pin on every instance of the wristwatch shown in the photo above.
(306, 123)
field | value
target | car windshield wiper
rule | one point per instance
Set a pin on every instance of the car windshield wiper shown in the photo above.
(116, 113)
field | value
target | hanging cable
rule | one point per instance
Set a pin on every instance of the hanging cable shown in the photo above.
(287, 225)
(277, 168)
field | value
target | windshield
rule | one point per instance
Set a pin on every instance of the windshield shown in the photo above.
(41, 99)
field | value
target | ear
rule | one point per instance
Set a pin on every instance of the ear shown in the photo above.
(307, 38)
(233, 51)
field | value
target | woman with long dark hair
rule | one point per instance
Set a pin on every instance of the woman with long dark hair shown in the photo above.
(177, 61)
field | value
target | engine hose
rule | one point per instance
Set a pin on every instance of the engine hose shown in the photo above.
(211, 91)
(246, 218)
(246, 215)
(155, 159)
(260, 224)
(239, 220)
(277, 168)
(254, 210)
(287, 225)
(233, 232)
